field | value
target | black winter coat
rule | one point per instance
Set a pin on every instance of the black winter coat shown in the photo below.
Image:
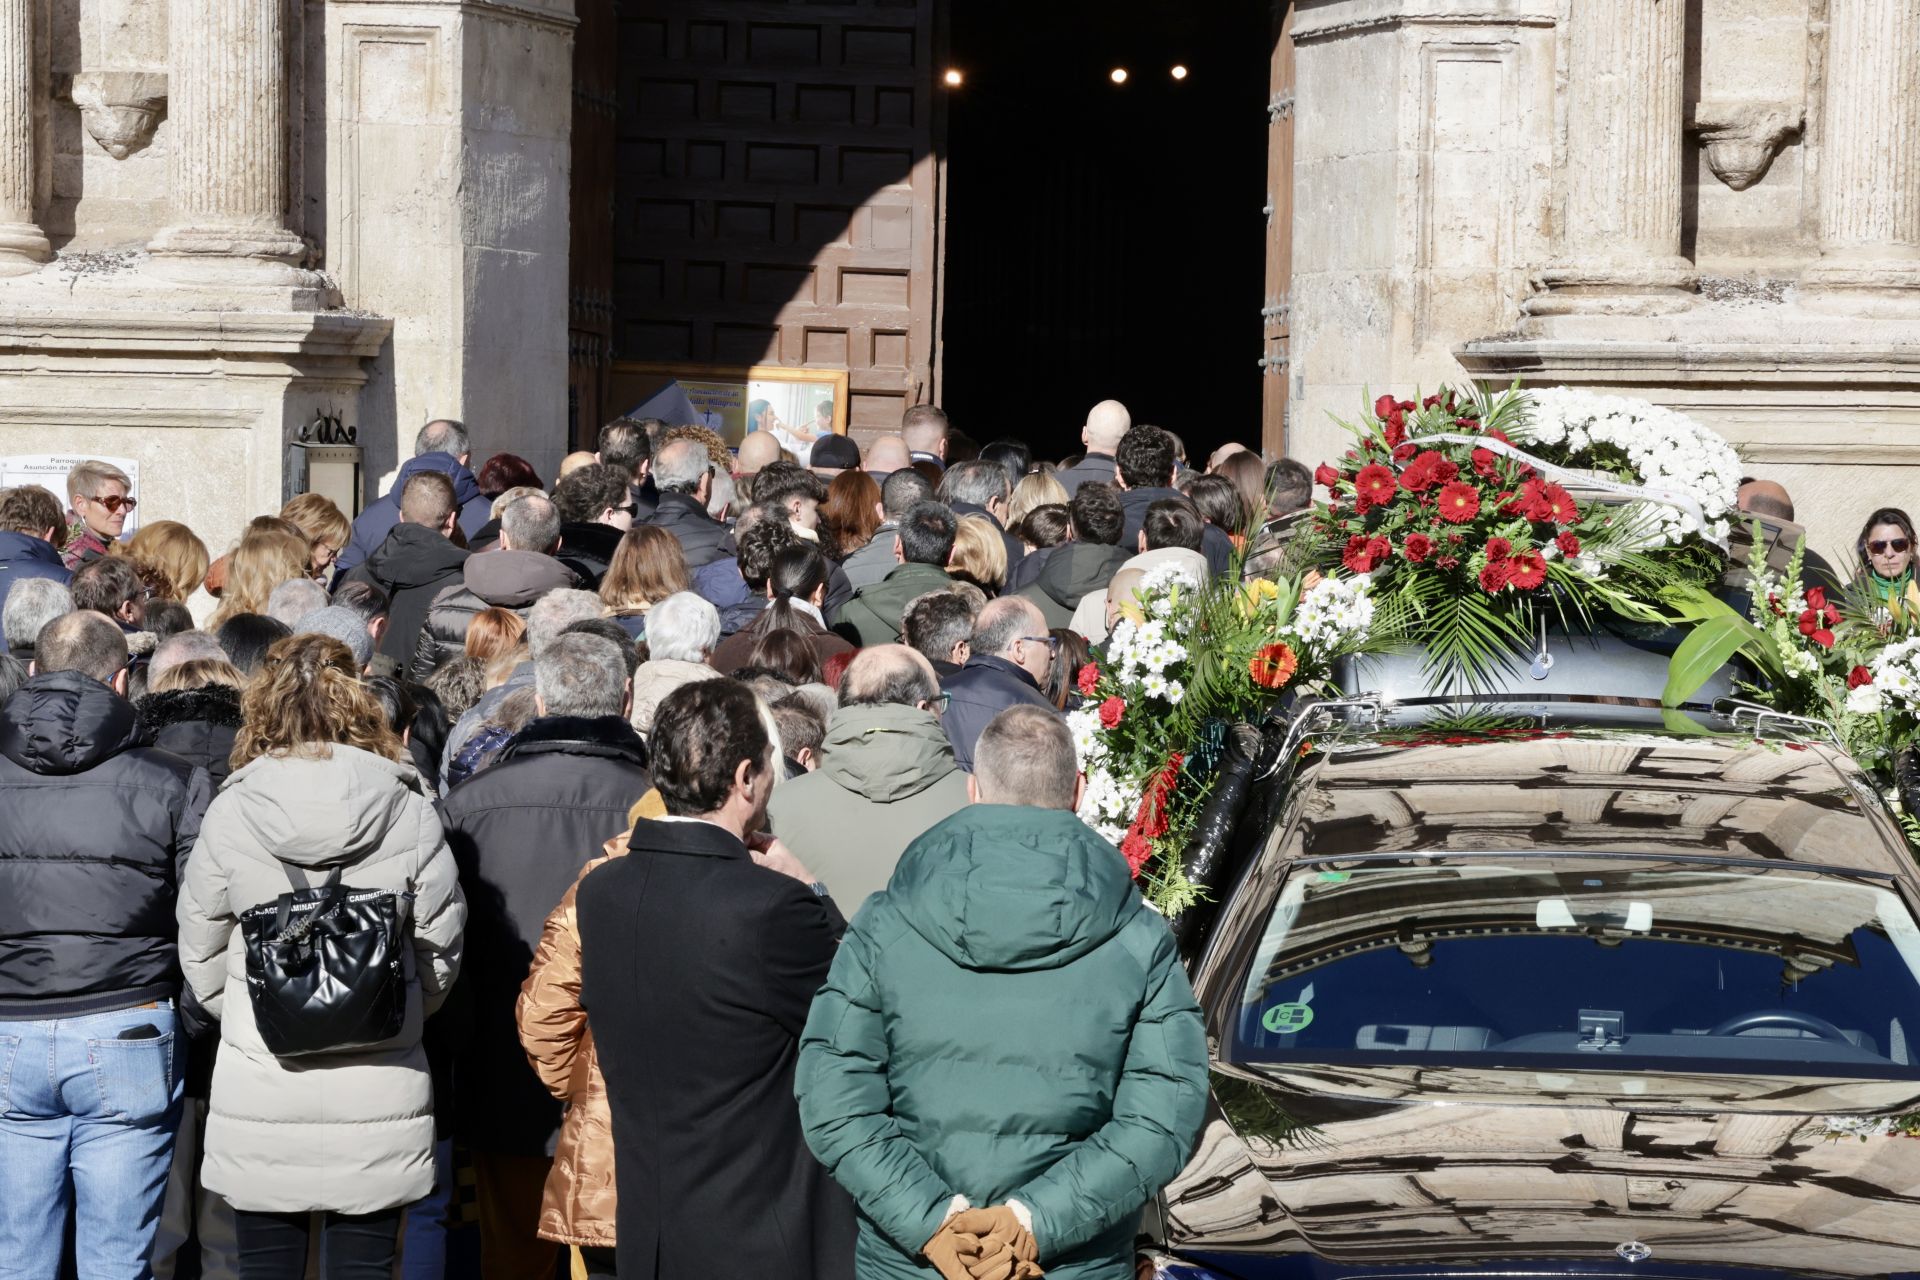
(981, 690)
(588, 549)
(702, 538)
(697, 969)
(412, 566)
(95, 826)
(198, 725)
(494, 579)
(520, 831)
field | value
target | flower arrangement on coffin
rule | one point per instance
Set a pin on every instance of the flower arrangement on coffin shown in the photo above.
(1472, 536)
(1181, 655)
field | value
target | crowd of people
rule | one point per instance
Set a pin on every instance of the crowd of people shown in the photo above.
(583, 783)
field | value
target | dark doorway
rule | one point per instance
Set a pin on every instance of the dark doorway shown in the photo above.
(1106, 239)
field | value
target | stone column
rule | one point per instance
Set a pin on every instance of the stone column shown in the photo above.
(1618, 250)
(23, 246)
(227, 169)
(1869, 183)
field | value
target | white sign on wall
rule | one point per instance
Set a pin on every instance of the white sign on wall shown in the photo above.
(49, 470)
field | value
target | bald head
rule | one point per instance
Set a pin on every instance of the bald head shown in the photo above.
(999, 629)
(574, 461)
(1765, 498)
(1107, 422)
(888, 674)
(82, 641)
(759, 450)
(1120, 592)
(887, 455)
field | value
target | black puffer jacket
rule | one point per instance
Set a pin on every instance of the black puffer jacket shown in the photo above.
(95, 826)
(198, 725)
(412, 566)
(702, 538)
(521, 830)
(495, 579)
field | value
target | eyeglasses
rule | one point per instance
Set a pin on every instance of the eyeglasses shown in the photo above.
(1052, 643)
(628, 510)
(114, 502)
(1890, 544)
(938, 703)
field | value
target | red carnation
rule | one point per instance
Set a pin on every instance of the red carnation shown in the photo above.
(1568, 544)
(1379, 550)
(1417, 476)
(1356, 557)
(1430, 401)
(1447, 562)
(1326, 477)
(1273, 666)
(1459, 502)
(1402, 452)
(1418, 547)
(1110, 712)
(1384, 407)
(1088, 678)
(1495, 434)
(1375, 483)
(1445, 469)
(1494, 576)
(1485, 462)
(1531, 501)
(1859, 676)
(1527, 571)
(1136, 851)
(1396, 430)
(1498, 548)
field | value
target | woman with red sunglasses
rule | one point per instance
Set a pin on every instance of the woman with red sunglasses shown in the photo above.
(1886, 547)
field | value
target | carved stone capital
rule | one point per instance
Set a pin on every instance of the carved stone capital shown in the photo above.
(121, 109)
(1741, 138)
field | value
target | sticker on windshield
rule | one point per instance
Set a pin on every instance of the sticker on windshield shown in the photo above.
(1284, 1019)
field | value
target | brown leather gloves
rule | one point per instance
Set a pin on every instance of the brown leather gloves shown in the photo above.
(984, 1244)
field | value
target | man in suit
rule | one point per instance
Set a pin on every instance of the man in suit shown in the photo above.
(699, 960)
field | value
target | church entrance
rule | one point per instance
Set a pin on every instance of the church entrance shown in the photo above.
(1106, 172)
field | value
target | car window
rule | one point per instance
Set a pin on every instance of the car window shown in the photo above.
(1585, 962)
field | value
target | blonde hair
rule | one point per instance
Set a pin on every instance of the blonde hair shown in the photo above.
(979, 556)
(264, 559)
(1036, 490)
(173, 550)
(306, 697)
(318, 520)
(197, 673)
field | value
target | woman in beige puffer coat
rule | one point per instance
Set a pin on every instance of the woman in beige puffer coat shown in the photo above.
(320, 781)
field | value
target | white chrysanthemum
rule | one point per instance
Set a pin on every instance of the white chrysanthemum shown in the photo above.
(1866, 700)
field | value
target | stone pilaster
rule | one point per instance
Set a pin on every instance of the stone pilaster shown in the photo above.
(227, 170)
(22, 244)
(1869, 183)
(1618, 248)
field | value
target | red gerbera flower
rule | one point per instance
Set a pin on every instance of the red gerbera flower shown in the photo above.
(1089, 677)
(1273, 666)
(1859, 676)
(1326, 477)
(1375, 483)
(1568, 544)
(1494, 576)
(1459, 502)
(1527, 571)
(1561, 508)
(1417, 547)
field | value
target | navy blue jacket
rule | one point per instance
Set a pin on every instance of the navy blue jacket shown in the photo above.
(24, 556)
(371, 527)
(981, 690)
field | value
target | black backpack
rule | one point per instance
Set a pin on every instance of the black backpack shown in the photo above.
(325, 967)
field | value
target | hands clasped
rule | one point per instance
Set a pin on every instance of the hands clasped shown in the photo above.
(984, 1244)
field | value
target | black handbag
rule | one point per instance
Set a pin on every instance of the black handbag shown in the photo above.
(325, 966)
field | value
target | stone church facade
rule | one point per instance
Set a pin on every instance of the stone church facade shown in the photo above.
(224, 221)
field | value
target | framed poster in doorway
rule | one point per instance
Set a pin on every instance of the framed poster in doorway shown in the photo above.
(734, 399)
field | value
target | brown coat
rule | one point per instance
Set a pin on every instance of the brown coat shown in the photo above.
(578, 1207)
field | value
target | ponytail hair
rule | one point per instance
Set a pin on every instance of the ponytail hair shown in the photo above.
(797, 572)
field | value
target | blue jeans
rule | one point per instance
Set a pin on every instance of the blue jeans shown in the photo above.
(79, 1106)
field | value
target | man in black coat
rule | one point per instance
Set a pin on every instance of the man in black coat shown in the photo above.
(596, 510)
(415, 562)
(520, 831)
(95, 826)
(699, 960)
(685, 478)
(1146, 462)
(1009, 656)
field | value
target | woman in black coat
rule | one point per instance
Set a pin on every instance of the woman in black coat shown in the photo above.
(192, 709)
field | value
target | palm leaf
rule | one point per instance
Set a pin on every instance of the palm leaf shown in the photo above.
(1707, 648)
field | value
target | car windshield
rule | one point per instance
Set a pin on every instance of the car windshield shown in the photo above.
(1585, 962)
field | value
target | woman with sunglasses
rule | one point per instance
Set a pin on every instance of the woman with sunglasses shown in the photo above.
(1885, 547)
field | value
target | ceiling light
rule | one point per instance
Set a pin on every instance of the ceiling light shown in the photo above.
(953, 78)
(1179, 72)
(1118, 75)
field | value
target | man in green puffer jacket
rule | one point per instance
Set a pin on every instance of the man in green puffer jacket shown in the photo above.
(1006, 1025)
